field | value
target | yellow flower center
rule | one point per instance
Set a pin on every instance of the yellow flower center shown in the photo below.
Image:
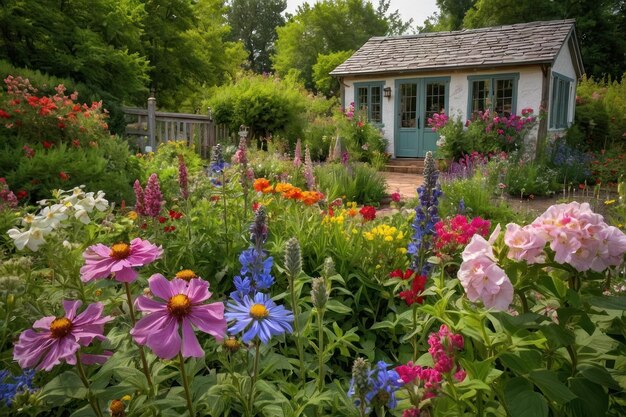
(231, 344)
(258, 311)
(186, 274)
(179, 305)
(60, 327)
(120, 251)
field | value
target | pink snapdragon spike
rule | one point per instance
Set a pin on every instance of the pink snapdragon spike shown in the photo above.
(482, 278)
(580, 237)
(58, 339)
(153, 198)
(178, 304)
(140, 207)
(121, 259)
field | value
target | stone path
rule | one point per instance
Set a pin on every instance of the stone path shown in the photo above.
(405, 184)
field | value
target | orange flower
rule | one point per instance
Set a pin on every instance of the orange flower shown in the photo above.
(352, 212)
(260, 184)
(283, 187)
(269, 189)
(294, 194)
(311, 197)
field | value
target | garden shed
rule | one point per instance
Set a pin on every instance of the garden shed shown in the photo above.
(401, 81)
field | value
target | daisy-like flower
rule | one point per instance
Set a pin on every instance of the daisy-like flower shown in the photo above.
(258, 317)
(119, 259)
(33, 237)
(181, 305)
(60, 338)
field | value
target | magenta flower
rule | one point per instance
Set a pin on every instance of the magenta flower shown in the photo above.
(183, 180)
(140, 207)
(60, 338)
(181, 305)
(153, 199)
(120, 260)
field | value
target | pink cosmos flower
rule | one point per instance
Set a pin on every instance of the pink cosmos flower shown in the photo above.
(120, 259)
(180, 305)
(482, 278)
(60, 338)
(524, 243)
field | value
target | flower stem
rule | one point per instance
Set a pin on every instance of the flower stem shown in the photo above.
(183, 375)
(225, 211)
(142, 354)
(93, 401)
(522, 297)
(294, 306)
(414, 339)
(255, 370)
(320, 345)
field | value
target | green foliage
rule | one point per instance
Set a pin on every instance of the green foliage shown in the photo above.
(322, 29)
(531, 178)
(254, 23)
(363, 140)
(354, 182)
(324, 82)
(268, 105)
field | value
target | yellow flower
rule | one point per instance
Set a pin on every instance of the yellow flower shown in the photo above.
(132, 215)
(388, 238)
(368, 236)
(400, 235)
(126, 398)
(609, 202)
(402, 250)
(378, 266)
(354, 231)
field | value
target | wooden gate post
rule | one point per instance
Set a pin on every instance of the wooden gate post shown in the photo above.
(152, 123)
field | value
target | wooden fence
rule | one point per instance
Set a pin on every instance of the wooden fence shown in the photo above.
(150, 127)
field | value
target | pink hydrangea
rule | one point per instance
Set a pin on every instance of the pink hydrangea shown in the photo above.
(580, 237)
(121, 259)
(59, 339)
(524, 243)
(481, 277)
(179, 305)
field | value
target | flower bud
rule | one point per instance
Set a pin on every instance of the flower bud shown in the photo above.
(329, 267)
(117, 408)
(319, 295)
(293, 258)
(360, 376)
(232, 344)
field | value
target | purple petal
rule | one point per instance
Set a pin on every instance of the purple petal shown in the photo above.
(191, 346)
(161, 287)
(147, 325)
(126, 275)
(70, 308)
(150, 305)
(44, 323)
(209, 318)
(166, 342)
(198, 291)
(89, 359)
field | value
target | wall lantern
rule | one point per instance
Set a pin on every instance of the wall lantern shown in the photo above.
(387, 92)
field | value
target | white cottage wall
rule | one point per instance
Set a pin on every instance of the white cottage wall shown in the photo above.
(528, 93)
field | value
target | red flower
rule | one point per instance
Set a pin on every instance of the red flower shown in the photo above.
(76, 143)
(175, 215)
(28, 151)
(414, 294)
(47, 144)
(21, 194)
(162, 219)
(368, 213)
(169, 229)
(4, 115)
(402, 275)
(64, 176)
(395, 197)
(215, 198)
(255, 205)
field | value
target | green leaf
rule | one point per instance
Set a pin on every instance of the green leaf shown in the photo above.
(598, 375)
(608, 303)
(64, 387)
(522, 361)
(549, 383)
(132, 377)
(559, 335)
(337, 307)
(592, 401)
(522, 401)
(383, 325)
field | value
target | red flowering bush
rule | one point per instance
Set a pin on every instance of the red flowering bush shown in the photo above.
(49, 142)
(368, 213)
(453, 234)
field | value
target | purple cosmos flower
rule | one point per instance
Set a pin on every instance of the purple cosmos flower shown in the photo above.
(120, 259)
(60, 338)
(181, 305)
(259, 317)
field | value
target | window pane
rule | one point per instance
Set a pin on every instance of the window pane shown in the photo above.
(504, 97)
(435, 98)
(361, 98)
(480, 95)
(408, 105)
(376, 115)
(564, 101)
(554, 105)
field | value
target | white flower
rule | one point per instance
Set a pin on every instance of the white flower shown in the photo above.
(87, 203)
(33, 238)
(100, 202)
(75, 194)
(82, 215)
(67, 244)
(441, 141)
(51, 217)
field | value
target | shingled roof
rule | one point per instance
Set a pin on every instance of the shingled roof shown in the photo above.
(519, 44)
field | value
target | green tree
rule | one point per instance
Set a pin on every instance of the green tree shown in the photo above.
(91, 41)
(328, 26)
(254, 23)
(453, 12)
(497, 12)
(324, 82)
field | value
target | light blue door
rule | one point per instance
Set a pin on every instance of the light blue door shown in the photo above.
(416, 101)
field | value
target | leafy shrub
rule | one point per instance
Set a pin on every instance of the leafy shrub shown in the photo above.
(354, 182)
(362, 140)
(50, 142)
(608, 165)
(531, 178)
(571, 164)
(318, 136)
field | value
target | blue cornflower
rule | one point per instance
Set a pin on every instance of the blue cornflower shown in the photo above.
(384, 385)
(21, 383)
(254, 264)
(258, 317)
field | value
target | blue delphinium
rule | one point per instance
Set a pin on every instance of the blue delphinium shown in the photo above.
(21, 384)
(258, 316)
(218, 164)
(426, 216)
(384, 384)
